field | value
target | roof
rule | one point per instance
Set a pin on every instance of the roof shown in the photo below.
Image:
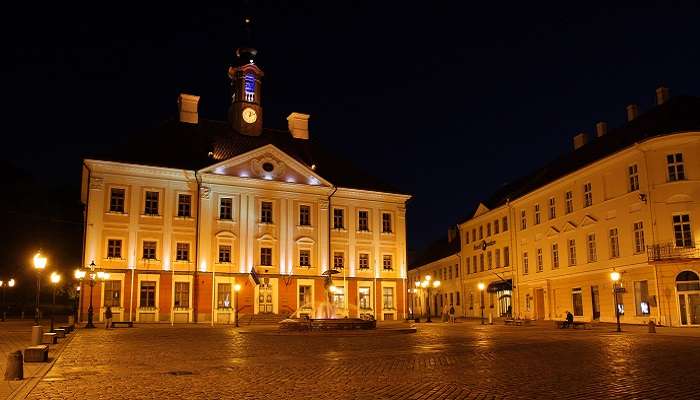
(679, 114)
(175, 144)
(437, 250)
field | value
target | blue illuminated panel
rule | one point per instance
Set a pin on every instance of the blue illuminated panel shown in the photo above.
(249, 83)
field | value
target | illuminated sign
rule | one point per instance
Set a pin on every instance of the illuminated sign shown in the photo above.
(249, 83)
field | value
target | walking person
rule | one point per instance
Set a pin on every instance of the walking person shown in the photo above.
(452, 314)
(108, 317)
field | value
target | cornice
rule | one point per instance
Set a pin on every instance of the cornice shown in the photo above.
(136, 170)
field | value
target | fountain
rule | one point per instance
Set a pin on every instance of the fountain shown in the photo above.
(325, 316)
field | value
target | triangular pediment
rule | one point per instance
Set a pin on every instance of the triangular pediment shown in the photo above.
(552, 231)
(481, 210)
(588, 220)
(267, 163)
(569, 226)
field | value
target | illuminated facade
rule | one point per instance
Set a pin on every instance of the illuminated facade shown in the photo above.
(625, 201)
(178, 226)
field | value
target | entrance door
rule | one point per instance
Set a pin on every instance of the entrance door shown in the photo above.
(595, 299)
(539, 304)
(689, 308)
(265, 297)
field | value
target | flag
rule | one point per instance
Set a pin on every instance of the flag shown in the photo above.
(254, 276)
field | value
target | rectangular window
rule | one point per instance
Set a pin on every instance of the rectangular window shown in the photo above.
(506, 257)
(496, 227)
(266, 256)
(633, 176)
(223, 295)
(641, 298)
(304, 258)
(363, 221)
(475, 264)
(184, 205)
(555, 255)
(365, 301)
(474, 235)
(449, 272)
(682, 231)
(489, 258)
(552, 208)
(182, 294)
(525, 263)
(338, 220)
(481, 232)
(182, 252)
(569, 202)
(523, 220)
(224, 254)
(639, 245)
(572, 252)
(305, 299)
(481, 262)
(614, 243)
(587, 195)
(591, 248)
(469, 266)
(386, 223)
(116, 200)
(149, 250)
(505, 224)
(151, 206)
(457, 299)
(577, 301)
(456, 270)
(226, 208)
(113, 293)
(497, 256)
(364, 261)
(488, 229)
(537, 214)
(339, 297)
(114, 248)
(388, 296)
(304, 215)
(148, 294)
(338, 260)
(466, 236)
(387, 262)
(676, 170)
(266, 212)
(540, 261)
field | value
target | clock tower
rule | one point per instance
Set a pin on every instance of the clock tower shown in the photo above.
(245, 113)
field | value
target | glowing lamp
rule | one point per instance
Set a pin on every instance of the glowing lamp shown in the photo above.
(55, 278)
(237, 287)
(79, 274)
(424, 284)
(428, 278)
(481, 286)
(39, 261)
(11, 283)
(615, 276)
(436, 284)
(417, 284)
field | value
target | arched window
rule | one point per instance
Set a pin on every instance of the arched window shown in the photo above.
(687, 280)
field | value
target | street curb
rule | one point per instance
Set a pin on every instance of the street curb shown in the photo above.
(28, 385)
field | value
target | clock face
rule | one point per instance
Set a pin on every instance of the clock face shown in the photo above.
(249, 115)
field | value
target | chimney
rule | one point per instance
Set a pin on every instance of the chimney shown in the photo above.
(580, 140)
(632, 112)
(662, 95)
(451, 234)
(187, 104)
(601, 128)
(299, 125)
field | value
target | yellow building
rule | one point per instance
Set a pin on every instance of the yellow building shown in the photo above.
(186, 212)
(625, 201)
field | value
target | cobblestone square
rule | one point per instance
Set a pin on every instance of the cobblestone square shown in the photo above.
(440, 361)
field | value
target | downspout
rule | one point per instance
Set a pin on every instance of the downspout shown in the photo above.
(649, 203)
(86, 212)
(195, 286)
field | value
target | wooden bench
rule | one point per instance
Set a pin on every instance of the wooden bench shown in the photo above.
(61, 333)
(573, 325)
(129, 324)
(49, 338)
(67, 328)
(39, 353)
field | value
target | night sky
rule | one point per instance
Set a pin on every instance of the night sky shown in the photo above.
(444, 101)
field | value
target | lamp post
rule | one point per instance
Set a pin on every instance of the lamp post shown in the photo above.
(4, 285)
(615, 277)
(79, 274)
(39, 265)
(415, 294)
(94, 276)
(481, 287)
(427, 284)
(236, 289)
(55, 278)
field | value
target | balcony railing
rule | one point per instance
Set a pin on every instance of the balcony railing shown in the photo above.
(669, 251)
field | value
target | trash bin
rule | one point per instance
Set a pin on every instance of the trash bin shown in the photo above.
(652, 327)
(14, 370)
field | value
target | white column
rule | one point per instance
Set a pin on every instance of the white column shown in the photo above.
(322, 251)
(243, 233)
(167, 228)
(134, 213)
(376, 240)
(252, 224)
(205, 221)
(352, 233)
(291, 225)
(401, 240)
(282, 226)
(93, 247)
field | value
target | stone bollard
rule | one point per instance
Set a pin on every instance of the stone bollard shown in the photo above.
(652, 327)
(71, 320)
(37, 334)
(14, 370)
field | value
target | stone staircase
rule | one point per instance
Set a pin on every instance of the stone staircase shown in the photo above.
(263, 319)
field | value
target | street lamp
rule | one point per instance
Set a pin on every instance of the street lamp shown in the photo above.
(236, 289)
(39, 265)
(4, 285)
(79, 274)
(415, 294)
(615, 277)
(94, 276)
(427, 284)
(481, 287)
(55, 278)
